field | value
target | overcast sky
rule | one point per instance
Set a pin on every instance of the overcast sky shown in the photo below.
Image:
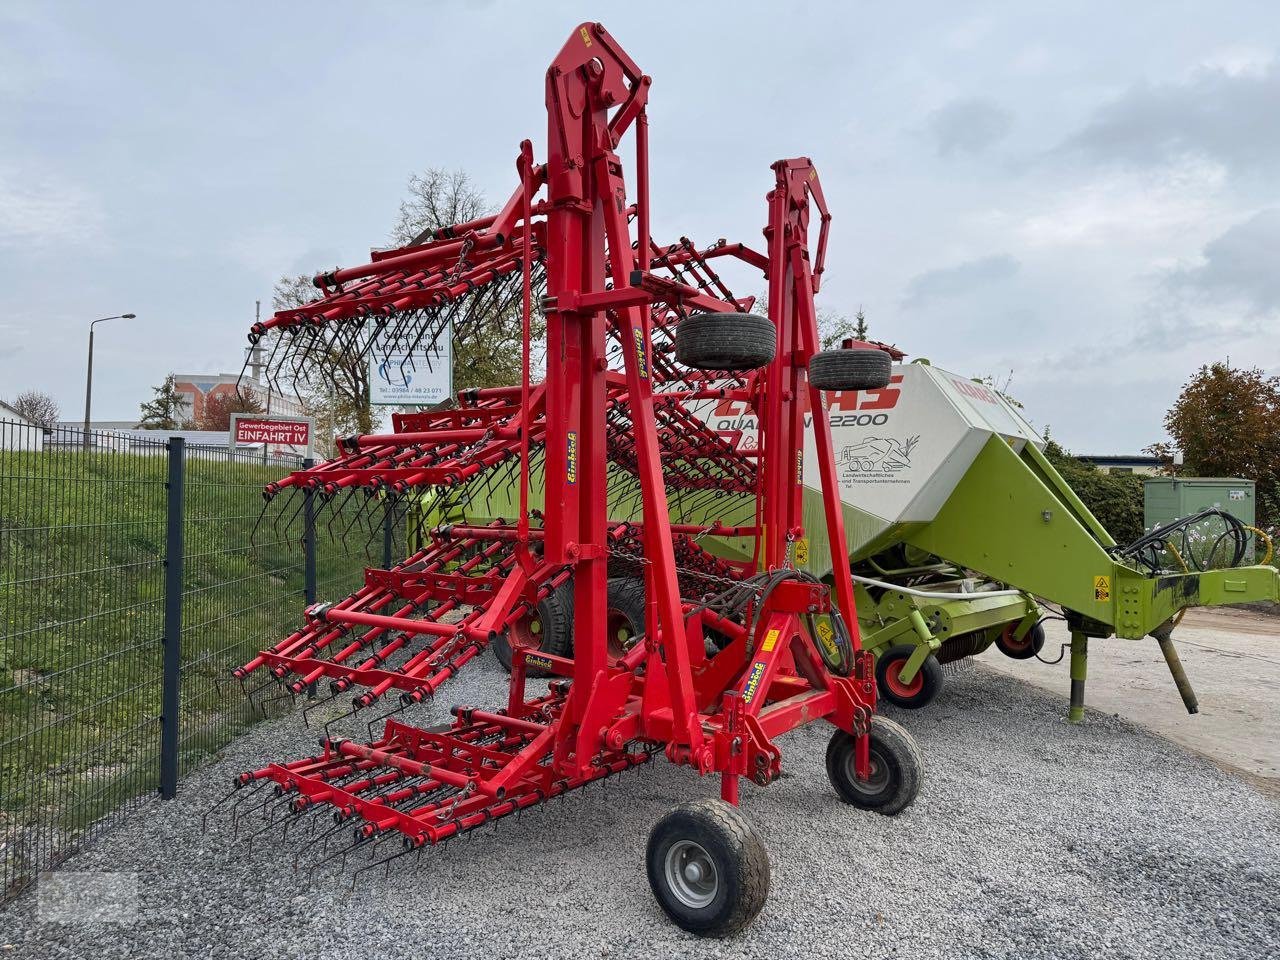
(1088, 199)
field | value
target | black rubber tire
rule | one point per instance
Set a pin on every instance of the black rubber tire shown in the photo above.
(896, 768)
(923, 689)
(555, 614)
(725, 341)
(861, 368)
(1029, 646)
(739, 856)
(626, 603)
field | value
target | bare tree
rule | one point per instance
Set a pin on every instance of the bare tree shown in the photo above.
(40, 408)
(437, 198)
(486, 344)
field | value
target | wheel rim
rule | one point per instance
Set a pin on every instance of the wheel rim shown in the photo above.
(527, 633)
(879, 774)
(620, 631)
(1015, 645)
(691, 874)
(904, 691)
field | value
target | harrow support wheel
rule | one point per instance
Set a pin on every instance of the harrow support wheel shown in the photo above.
(896, 768)
(920, 690)
(550, 628)
(625, 615)
(726, 341)
(1026, 648)
(858, 369)
(708, 868)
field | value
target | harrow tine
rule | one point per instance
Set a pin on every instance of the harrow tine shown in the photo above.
(306, 712)
(204, 820)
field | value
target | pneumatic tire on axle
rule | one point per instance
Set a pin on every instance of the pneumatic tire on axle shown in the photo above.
(896, 768)
(1031, 643)
(708, 868)
(920, 691)
(548, 629)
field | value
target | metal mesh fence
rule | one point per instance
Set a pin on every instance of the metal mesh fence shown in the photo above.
(83, 533)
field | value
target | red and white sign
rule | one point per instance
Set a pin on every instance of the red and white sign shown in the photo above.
(293, 433)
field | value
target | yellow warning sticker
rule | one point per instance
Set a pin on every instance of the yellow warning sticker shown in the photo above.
(802, 551)
(827, 641)
(1101, 588)
(770, 641)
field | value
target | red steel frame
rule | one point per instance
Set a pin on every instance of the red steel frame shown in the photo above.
(717, 714)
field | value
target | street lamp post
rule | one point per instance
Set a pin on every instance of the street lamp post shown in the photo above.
(88, 380)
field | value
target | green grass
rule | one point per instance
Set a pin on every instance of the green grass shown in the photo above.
(82, 541)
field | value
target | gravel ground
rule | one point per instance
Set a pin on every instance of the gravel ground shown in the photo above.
(1031, 838)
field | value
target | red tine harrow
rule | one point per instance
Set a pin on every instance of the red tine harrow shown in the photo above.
(720, 656)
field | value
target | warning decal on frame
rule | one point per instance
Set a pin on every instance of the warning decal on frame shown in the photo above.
(1101, 588)
(770, 641)
(802, 551)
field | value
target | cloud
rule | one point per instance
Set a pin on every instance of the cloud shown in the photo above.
(968, 126)
(947, 282)
(40, 210)
(1238, 266)
(1226, 114)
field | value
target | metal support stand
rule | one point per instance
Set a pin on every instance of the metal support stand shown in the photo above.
(1079, 668)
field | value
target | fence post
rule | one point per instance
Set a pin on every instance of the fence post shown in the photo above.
(388, 531)
(309, 538)
(171, 688)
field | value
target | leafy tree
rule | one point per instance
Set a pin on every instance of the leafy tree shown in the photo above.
(40, 408)
(219, 407)
(1114, 498)
(164, 410)
(1226, 422)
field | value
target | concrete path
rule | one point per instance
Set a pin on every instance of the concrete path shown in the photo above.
(1233, 660)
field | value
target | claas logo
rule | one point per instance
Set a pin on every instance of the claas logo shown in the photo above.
(842, 401)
